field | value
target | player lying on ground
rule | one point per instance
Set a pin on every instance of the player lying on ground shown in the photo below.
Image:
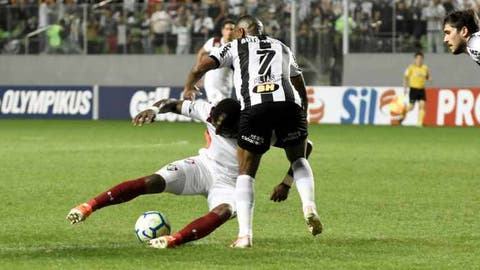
(461, 33)
(212, 173)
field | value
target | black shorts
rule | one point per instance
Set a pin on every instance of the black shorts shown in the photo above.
(416, 94)
(286, 119)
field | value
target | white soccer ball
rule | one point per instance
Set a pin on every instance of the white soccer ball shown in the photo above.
(151, 224)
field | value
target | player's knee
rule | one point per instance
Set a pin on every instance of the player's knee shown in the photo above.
(295, 152)
(224, 211)
(154, 183)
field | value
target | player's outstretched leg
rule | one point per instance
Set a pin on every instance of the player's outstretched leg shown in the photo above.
(120, 193)
(196, 229)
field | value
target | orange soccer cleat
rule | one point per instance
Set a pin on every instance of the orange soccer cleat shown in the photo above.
(166, 241)
(79, 213)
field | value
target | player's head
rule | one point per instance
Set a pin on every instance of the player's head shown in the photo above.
(225, 117)
(458, 26)
(227, 30)
(419, 58)
(248, 25)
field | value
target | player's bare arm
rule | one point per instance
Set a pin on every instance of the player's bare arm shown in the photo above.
(299, 85)
(196, 73)
(163, 106)
(201, 53)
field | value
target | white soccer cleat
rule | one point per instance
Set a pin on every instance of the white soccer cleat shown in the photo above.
(312, 219)
(166, 241)
(242, 242)
(79, 213)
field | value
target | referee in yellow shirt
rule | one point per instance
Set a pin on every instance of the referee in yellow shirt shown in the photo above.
(415, 76)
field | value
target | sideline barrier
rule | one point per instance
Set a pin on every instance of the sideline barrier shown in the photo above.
(354, 105)
(453, 107)
(57, 102)
(360, 105)
(448, 106)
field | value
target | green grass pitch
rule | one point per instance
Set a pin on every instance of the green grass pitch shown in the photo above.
(389, 197)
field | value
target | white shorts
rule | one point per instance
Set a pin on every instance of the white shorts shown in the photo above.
(197, 176)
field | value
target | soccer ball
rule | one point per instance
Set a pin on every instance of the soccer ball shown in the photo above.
(151, 224)
(398, 105)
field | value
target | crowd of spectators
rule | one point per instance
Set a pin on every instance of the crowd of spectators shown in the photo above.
(181, 27)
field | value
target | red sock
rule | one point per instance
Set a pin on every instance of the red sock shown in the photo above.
(199, 228)
(120, 193)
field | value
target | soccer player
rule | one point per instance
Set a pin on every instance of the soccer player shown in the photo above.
(414, 85)
(218, 83)
(212, 173)
(271, 90)
(461, 33)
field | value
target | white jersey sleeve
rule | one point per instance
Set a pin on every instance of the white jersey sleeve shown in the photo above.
(223, 55)
(208, 46)
(473, 47)
(198, 109)
(295, 70)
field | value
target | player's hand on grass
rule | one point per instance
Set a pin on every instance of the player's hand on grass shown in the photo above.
(280, 192)
(190, 94)
(145, 117)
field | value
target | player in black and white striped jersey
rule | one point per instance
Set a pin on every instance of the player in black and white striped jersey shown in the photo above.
(271, 90)
(260, 64)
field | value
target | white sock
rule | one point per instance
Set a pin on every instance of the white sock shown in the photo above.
(244, 202)
(303, 176)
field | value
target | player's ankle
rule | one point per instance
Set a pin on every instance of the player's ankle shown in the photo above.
(92, 204)
(177, 239)
(310, 209)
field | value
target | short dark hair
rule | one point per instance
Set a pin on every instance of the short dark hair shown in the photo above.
(227, 114)
(227, 21)
(419, 54)
(252, 25)
(462, 18)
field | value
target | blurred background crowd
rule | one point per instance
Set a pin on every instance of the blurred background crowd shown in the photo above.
(182, 26)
